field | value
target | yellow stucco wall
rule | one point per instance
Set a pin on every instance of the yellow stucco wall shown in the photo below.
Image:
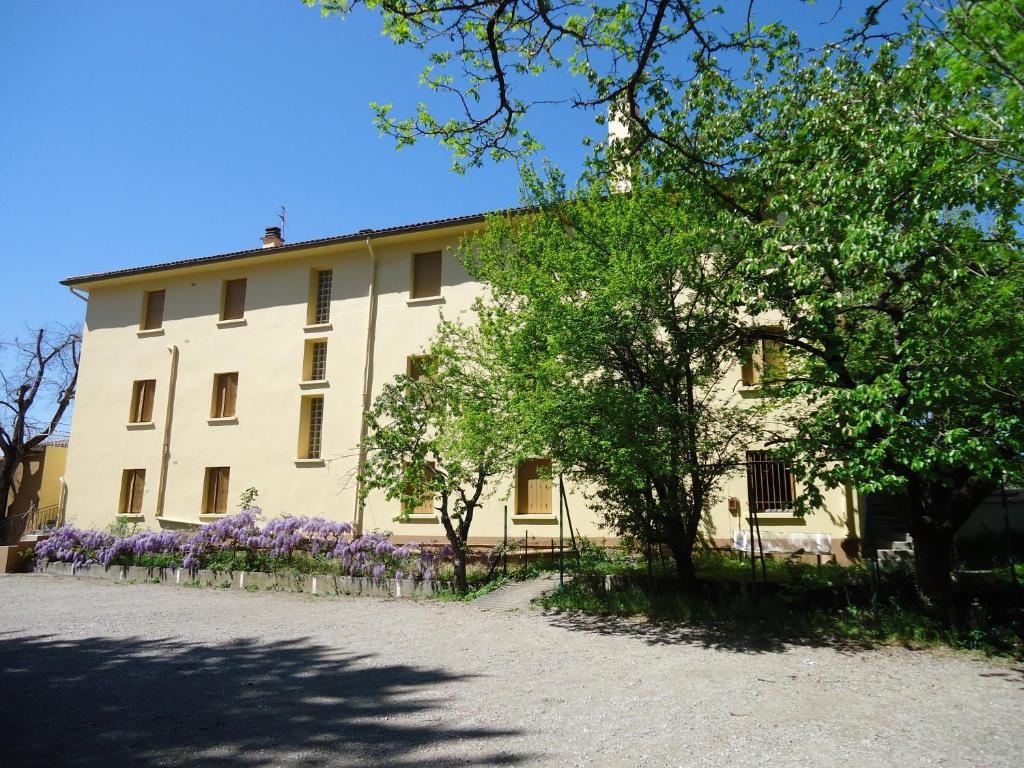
(267, 352)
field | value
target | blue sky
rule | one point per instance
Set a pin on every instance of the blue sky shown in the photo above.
(137, 132)
(133, 133)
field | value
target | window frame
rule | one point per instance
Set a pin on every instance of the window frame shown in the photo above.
(138, 410)
(311, 417)
(523, 506)
(416, 290)
(146, 321)
(321, 295)
(227, 310)
(216, 483)
(133, 487)
(223, 395)
(771, 486)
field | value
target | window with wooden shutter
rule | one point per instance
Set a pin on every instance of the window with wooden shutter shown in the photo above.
(416, 367)
(426, 275)
(766, 361)
(233, 302)
(153, 310)
(225, 393)
(771, 487)
(143, 393)
(533, 487)
(133, 483)
(215, 492)
(425, 506)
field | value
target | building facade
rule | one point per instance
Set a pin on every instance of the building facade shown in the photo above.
(202, 378)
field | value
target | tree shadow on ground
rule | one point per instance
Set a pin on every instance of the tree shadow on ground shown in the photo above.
(757, 637)
(111, 702)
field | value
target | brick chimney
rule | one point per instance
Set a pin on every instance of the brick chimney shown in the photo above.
(272, 237)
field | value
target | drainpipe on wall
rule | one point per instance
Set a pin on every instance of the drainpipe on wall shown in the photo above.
(62, 496)
(165, 456)
(371, 328)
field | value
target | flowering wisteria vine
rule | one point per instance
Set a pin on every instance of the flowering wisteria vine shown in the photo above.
(237, 542)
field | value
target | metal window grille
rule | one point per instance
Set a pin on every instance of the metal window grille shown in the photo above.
(322, 313)
(316, 425)
(318, 361)
(770, 483)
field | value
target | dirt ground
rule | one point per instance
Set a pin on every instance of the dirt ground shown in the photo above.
(98, 673)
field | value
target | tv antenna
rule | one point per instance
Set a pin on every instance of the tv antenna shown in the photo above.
(283, 216)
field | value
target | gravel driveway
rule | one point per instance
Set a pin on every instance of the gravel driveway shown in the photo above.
(105, 674)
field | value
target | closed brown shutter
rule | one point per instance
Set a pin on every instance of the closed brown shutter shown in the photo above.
(222, 490)
(230, 393)
(138, 485)
(751, 370)
(426, 275)
(148, 394)
(234, 300)
(533, 487)
(154, 315)
(225, 393)
(216, 501)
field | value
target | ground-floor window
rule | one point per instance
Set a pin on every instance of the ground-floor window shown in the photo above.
(533, 487)
(215, 492)
(770, 484)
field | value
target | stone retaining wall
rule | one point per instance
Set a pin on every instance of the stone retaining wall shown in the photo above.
(323, 584)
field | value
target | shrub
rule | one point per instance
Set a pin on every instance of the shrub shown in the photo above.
(237, 542)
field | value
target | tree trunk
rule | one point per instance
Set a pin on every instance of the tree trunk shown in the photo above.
(680, 543)
(457, 538)
(936, 512)
(7, 469)
(933, 561)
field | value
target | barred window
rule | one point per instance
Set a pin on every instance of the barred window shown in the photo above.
(322, 297)
(315, 430)
(318, 361)
(770, 483)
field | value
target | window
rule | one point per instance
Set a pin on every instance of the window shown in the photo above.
(232, 305)
(133, 483)
(225, 393)
(311, 427)
(143, 392)
(320, 297)
(770, 484)
(215, 491)
(533, 487)
(416, 367)
(426, 275)
(426, 506)
(314, 364)
(767, 362)
(153, 310)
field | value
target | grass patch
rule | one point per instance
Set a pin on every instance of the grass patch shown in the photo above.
(791, 612)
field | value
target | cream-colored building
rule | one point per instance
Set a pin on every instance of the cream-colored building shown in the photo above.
(205, 377)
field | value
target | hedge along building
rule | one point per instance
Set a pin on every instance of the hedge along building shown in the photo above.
(204, 377)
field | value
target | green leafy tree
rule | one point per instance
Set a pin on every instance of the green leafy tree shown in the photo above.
(871, 187)
(440, 434)
(616, 327)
